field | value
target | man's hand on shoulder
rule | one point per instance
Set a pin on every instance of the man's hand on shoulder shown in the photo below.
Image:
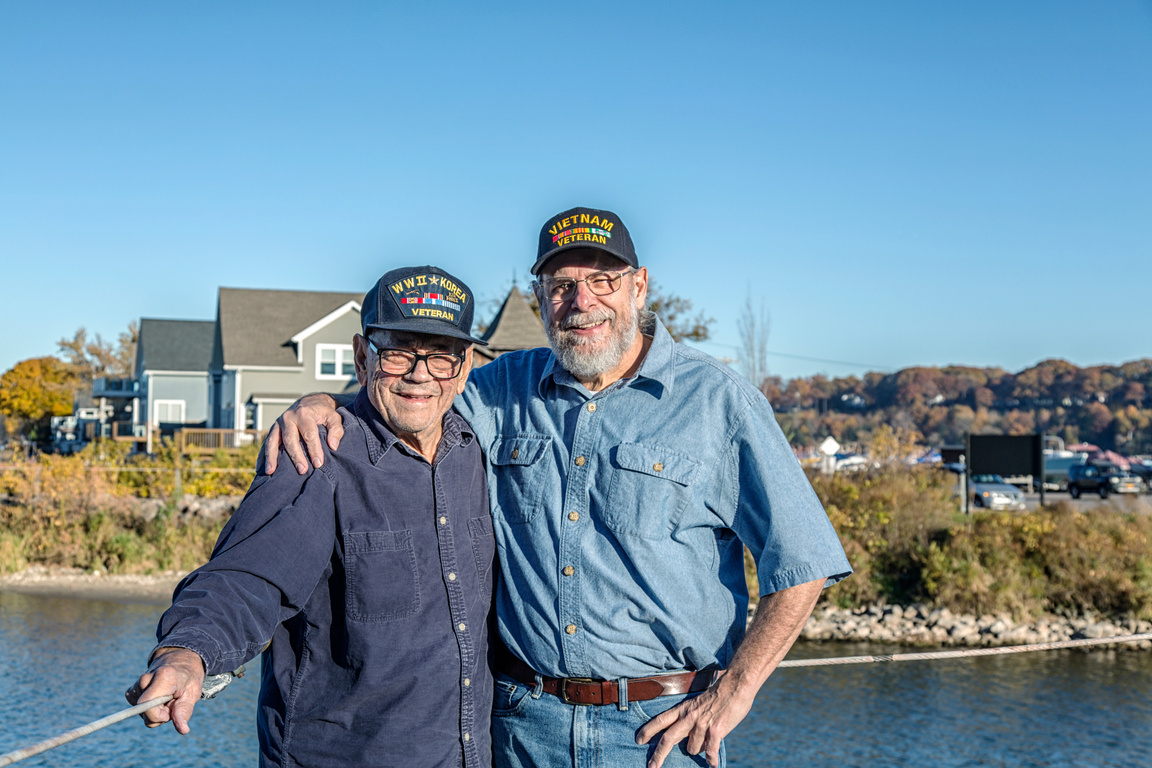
(298, 429)
(178, 672)
(703, 720)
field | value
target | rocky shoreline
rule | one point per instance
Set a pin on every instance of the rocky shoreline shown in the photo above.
(920, 625)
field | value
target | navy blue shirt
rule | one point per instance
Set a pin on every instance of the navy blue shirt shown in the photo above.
(372, 578)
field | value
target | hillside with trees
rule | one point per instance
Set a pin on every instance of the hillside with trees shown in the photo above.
(1108, 405)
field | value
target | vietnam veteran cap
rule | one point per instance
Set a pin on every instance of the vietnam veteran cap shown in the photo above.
(420, 300)
(585, 228)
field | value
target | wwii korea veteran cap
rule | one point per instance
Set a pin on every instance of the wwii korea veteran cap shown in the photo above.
(585, 228)
(420, 300)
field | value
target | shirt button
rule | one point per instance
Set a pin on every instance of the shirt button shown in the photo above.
(443, 520)
(461, 626)
(515, 452)
(573, 516)
(570, 629)
(658, 467)
(451, 577)
(579, 461)
(467, 682)
(591, 407)
(569, 570)
(467, 737)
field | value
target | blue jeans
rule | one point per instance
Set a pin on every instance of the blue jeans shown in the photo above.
(532, 729)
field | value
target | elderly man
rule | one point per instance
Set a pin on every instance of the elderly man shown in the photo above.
(368, 579)
(626, 471)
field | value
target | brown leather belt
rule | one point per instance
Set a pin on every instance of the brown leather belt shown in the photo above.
(579, 690)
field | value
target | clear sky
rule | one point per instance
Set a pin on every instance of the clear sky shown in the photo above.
(900, 183)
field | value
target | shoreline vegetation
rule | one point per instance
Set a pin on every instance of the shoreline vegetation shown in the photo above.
(109, 525)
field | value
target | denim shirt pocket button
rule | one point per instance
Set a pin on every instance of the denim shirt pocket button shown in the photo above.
(650, 485)
(521, 475)
(382, 581)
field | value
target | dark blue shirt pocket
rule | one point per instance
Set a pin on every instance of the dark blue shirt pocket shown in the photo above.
(522, 474)
(650, 485)
(383, 583)
(483, 548)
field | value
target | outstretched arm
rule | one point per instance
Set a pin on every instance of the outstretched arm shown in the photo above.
(709, 717)
(298, 429)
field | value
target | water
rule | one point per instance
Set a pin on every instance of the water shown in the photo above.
(65, 662)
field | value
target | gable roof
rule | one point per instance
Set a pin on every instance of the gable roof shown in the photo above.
(256, 326)
(174, 345)
(515, 326)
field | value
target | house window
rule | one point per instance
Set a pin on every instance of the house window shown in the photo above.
(335, 361)
(169, 412)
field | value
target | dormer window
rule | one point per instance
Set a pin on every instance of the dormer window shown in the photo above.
(335, 361)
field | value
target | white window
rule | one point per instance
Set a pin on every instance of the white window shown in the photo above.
(168, 412)
(335, 361)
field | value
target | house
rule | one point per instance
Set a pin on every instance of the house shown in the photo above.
(172, 358)
(270, 347)
(515, 326)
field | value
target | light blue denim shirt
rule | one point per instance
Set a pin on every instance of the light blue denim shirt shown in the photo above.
(619, 515)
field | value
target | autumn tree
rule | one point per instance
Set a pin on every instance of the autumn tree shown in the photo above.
(89, 358)
(32, 392)
(676, 314)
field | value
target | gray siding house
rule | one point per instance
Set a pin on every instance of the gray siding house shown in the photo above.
(271, 347)
(172, 358)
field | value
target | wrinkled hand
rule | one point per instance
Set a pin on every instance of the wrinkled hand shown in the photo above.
(302, 422)
(703, 720)
(175, 671)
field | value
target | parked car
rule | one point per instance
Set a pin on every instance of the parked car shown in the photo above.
(1102, 479)
(1143, 470)
(991, 492)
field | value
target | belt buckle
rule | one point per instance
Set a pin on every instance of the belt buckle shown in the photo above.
(564, 689)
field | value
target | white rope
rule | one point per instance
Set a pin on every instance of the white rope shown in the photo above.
(212, 685)
(935, 655)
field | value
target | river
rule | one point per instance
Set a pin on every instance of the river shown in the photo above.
(64, 662)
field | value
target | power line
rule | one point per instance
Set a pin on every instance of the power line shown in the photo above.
(813, 359)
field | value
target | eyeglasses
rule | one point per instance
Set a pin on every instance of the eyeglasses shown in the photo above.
(560, 289)
(401, 362)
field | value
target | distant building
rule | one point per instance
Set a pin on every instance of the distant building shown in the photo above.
(271, 347)
(515, 326)
(172, 358)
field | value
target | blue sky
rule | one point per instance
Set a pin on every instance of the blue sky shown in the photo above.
(900, 183)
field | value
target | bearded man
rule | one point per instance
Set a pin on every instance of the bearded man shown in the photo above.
(626, 473)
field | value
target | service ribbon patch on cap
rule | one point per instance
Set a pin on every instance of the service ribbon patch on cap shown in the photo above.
(429, 296)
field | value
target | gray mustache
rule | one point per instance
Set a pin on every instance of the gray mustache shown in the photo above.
(585, 318)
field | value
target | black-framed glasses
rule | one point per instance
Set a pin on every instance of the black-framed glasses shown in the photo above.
(560, 289)
(401, 362)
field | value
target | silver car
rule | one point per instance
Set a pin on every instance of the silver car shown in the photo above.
(991, 492)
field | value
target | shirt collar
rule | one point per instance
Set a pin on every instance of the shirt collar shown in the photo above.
(379, 439)
(658, 364)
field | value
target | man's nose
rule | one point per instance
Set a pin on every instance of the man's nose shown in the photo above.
(584, 299)
(420, 372)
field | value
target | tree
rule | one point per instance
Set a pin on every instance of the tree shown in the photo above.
(674, 312)
(753, 325)
(87, 358)
(33, 391)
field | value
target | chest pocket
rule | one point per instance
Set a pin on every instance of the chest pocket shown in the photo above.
(521, 467)
(383, 583)
(650, 486)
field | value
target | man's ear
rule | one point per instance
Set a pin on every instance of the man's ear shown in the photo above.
(462, 379)
(640, 280)
(360, 353)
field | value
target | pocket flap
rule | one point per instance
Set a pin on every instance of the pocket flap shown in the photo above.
(519, 450)
(656, 461)
(377, 541)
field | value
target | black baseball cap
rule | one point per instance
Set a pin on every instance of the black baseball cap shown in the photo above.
(585, 228)
(420, 300)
